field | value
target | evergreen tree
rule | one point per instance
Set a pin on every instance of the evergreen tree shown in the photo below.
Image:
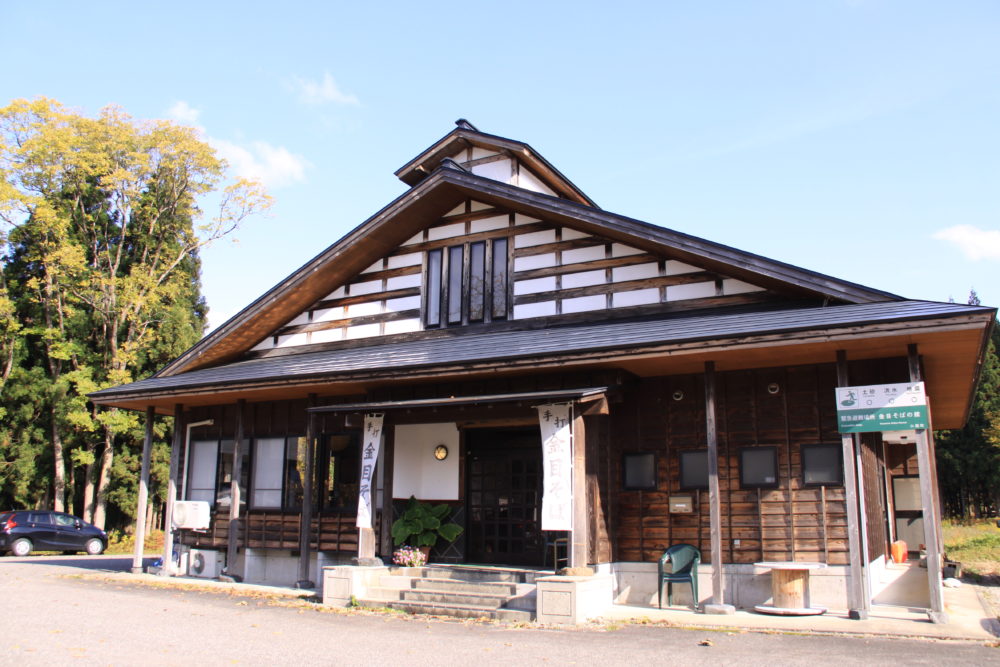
(101, 287)
(968, 462)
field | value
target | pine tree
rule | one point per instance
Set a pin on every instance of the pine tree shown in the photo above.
(968, 462)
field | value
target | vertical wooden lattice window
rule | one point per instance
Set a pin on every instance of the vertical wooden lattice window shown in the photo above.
(433, 316)
(455, 256)
(466, 283)
(477, 282)
(499, 276)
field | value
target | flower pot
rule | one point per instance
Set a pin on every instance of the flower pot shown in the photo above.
(426, 551)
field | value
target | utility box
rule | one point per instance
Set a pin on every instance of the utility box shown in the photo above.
(191, 515)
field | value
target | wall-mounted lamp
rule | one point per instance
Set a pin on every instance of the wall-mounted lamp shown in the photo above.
(441, 452)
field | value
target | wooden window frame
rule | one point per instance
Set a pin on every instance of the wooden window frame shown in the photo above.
(441, 277)
(837, 447)
(681, 455)
(744, 484)
(626, 486)
(288, 441)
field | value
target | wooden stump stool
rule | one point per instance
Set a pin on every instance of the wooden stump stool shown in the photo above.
(790, 589)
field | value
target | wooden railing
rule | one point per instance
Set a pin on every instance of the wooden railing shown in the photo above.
(263, 529)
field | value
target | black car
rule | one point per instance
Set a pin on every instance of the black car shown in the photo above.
(24, 531)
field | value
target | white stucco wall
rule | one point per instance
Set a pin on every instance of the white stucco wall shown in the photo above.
(415, 471)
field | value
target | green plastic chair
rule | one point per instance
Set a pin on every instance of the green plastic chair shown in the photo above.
(685, 559)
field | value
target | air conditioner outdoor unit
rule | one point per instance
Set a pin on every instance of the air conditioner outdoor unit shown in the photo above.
(191, 515)
(205, 563)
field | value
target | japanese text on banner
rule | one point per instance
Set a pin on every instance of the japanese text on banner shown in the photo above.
(369, 456)
(557, 461)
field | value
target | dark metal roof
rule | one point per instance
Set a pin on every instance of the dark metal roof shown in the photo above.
(485, 399)
(561, 342)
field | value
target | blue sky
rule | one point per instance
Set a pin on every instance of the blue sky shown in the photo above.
(852, 137)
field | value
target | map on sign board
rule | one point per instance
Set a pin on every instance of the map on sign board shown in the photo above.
(882, 407)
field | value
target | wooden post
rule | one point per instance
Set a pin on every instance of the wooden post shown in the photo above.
(168, 512)
(385, 466)
(856, 598)
(580, 535)
(232, 545)
(714, 496)
(929, 503)
(140, 510)
(305, 525)
(866, 587)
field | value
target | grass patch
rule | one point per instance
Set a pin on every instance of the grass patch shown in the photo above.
(120, 542)
(976, 545)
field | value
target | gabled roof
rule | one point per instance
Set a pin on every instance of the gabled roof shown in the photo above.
(440, 191)
(465, 135)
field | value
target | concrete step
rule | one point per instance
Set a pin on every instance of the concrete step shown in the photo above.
(474, 573)
(458, 610)
(461, 586)
(451, 597)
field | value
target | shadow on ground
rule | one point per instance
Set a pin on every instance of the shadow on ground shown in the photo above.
(103, 563)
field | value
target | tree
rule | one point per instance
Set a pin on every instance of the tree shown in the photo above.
(968, 459)
(104, 248)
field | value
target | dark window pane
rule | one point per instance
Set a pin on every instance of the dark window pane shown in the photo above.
(340, 472)
(295, 471)
(639, 471)
(821, 464)
(455, 254)
(694, 469)
(477, 281)
(499, 279)
(758, 467)
(433, 288)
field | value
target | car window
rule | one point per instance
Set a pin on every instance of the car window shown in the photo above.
(40, 517)
(64, 520)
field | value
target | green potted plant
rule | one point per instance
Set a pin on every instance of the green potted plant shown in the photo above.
(422, 524)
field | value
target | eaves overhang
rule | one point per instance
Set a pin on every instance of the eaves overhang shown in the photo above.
(762, 339)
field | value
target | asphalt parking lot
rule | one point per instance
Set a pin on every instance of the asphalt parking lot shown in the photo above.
(62, 609)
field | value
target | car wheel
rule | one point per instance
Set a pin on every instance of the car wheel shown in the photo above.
(94, 546)
(20, 547)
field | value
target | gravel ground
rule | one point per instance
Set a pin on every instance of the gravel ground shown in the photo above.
(58, 611)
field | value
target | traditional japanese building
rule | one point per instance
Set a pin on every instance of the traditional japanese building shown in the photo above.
(700, 381)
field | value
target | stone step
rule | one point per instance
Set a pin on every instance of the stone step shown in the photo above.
(462, 586)
(457, 610)
(451, 597)
(474, 573)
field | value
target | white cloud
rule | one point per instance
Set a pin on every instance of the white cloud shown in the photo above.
(323, 92)
(975, 243)
(184, 113)
(274, 166)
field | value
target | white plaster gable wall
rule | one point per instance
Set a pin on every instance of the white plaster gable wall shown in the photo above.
(415, 471)
(388, 309)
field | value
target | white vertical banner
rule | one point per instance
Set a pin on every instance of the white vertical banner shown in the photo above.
(557, 462)
(369, 456)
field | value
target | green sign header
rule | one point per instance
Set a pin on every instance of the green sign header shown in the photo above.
(882, 407)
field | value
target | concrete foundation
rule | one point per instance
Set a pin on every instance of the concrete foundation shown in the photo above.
(344, 584)
(745, 585)
(278, 567)
(572, 600)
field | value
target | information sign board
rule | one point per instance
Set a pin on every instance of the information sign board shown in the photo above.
(882, 407)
